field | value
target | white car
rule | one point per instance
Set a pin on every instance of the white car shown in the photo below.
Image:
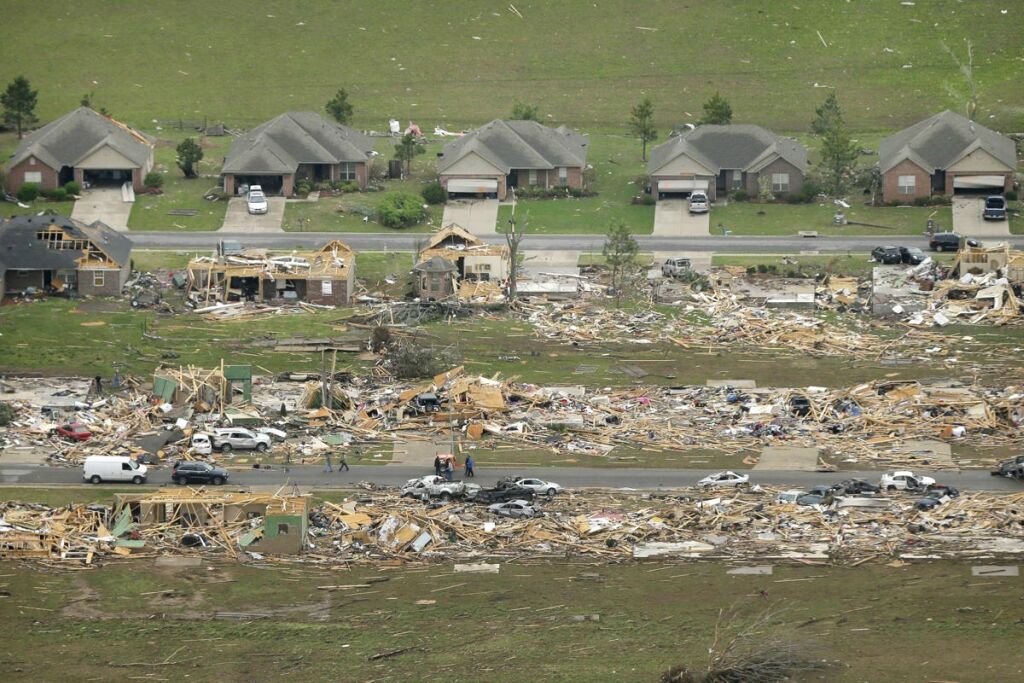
(905, 480)
(228, 439)
(699, 203)
(539, 486)
(789, 496)
(727, 478)
(513, 508)
(289, 261)
(256, 201)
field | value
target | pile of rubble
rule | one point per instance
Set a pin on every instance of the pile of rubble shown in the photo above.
(597, 526)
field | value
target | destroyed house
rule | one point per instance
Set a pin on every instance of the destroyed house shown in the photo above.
(474, 259)
(61, 255)
(503, 155)
(84, 146)
(325, 276)
(999, 259)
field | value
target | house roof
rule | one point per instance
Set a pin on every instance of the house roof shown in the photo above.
(739, 147)
(74, 136)
(941, 140)
(519, 144)
(452, 236)
(435, 264)
(22, 247)
(293, 138)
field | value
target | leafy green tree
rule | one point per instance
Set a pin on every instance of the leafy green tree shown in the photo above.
(826, 115)
(339, 107)
(19, 103)
(717, 111)
(407, 149)
(524, 112)
(189, 155)
(838, 165)
(619, 251)
(641, 125)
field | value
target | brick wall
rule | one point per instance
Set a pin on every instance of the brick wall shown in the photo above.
(111, 282)
(890, 182)
(796, 178)
(339, 295)
(16, 175)
(549, 178)
(18, 280)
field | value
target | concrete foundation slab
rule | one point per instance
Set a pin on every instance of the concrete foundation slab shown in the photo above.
(788, 458)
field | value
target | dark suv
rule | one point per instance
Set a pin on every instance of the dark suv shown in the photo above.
(945, 241)
(995, 209)
(888, 255)
(198, 473)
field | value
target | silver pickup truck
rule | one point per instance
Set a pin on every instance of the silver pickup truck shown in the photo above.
(433, 486)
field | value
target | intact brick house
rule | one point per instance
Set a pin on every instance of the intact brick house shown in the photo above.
(722, 159)
(55, 253)
(84, 146)
(503, 155)
(943, 155)
(296, 145)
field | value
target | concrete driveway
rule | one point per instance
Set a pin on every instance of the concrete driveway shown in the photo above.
(103, 204)
(967, 219)
(238, 218)
(477, 216)
(672, 219)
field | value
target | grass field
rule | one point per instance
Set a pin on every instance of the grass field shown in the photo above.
(231, 622)
(747, 218)
(582, 63)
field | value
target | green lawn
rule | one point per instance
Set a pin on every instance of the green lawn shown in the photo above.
(40, 205)
(150, 212)
(583, 63)
(751, 218)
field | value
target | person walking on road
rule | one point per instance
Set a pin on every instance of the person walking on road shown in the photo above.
(327, 463)
(449, 470)
(469, 466)
(343, 463)
(437, 465)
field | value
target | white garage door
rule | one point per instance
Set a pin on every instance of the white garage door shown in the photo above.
(473, 185)
(682, 185)
(978, 182)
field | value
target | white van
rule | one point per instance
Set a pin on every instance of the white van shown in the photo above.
(113, 468)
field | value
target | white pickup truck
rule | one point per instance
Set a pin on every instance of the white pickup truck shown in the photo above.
(433, 486)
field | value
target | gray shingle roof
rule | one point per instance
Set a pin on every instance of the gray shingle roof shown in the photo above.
(740, 146)
(435, 264)
(21, 248)
(941, 140)
(519, 144)
(293, 138)
(72, 137)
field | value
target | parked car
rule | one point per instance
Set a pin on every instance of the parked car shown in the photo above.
(674, 267)
(100, 468)
(927, 503)
(859, 487)
(945, 241)
(230, 438)
(800, 406)
(195, 472)
(1011, 467)
(888, 254)
(789, 496)
(912, 255)
(810, 499)
(256, 201)
(74, 431)
(727, 478)
(434, 486)
(539, 486)
(513, 508)
(943, 490)
(229, 247)
(500, 494)
(905, 480)
(699, 203)
(995, 208)
(201, 444)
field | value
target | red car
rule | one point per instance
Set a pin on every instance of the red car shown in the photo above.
(76, 431)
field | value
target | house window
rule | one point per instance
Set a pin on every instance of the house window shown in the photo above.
(347, 171)
(737, 180)
(33, 177)
(780, 182)
(31, 162)
(283, 529)
(326, 287)
(533, 178)
(906, 184)
(99, 278)
(563, 176)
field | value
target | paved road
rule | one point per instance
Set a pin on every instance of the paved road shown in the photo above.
(407, 242)
(575, 477)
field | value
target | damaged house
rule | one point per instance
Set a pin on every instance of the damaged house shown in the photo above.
(61, 255)
(470, 263)
(326, 277)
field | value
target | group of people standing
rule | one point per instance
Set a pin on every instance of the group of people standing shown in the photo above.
(446, 467)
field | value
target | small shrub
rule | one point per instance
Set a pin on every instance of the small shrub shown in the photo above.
(762, 268)
(645, 200)
(751, 270)
(401, 210)
(71, 187)
(28, 192)
(57, 194)
(1011, 196)
(739, 196)
(922, 201)
(7, 414)
(433, 193)
(303, 187)
(153, 180)
(793, 199)
(324, 186)
(809, 191)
